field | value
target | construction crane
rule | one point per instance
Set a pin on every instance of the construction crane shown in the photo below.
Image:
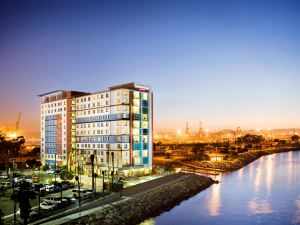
(18, 122)
(12, 130)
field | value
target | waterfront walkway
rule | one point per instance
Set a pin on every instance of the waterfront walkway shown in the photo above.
(96, 205)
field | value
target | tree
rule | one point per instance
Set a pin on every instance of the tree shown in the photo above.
(33, 163)
(23, 196)
(295, 138)
(1, 217)
(66, 175)
(250, 139)
(199, 152)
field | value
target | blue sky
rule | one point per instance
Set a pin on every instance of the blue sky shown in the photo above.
(225, 63)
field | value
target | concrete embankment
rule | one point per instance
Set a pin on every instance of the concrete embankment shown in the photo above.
(242, 160)
(138, 208)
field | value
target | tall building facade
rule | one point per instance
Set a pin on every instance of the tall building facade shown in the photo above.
(115, 125)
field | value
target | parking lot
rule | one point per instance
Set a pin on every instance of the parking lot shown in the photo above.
(50, 193)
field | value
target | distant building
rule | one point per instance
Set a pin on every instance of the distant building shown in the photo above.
(187, 129)
(116, 123)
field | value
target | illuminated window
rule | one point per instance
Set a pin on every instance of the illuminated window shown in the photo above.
(136, 138)
(145, 96)
(135, 109)
(145, 124)
(136, 94)
(136, 102)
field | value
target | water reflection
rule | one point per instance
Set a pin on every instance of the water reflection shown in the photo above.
(266, 192)
(258, 206)
(215, 201)
(296, 219)
(257, 179)
(269, 175)
(290, 167)
(241, 172)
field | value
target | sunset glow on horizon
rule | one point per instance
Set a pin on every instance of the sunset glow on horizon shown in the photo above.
(227, 64)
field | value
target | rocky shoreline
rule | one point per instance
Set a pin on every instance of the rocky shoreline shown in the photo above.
(137, 209)
(242, 160)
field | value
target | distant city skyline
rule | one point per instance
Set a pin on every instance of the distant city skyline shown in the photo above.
(228, 64)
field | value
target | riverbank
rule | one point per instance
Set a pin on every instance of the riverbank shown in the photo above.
(242, 160)
(136, 209)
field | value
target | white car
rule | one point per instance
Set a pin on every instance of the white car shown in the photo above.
(82, 193)
(47, 205)
(50, 171)
(6, 184)
(54, 200)
(49, 187)
(3, 176)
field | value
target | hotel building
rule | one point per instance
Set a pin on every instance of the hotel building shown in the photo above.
(115, 125)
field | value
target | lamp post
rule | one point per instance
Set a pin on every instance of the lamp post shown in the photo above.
(77, 178)
(79, 200)
(39, 190)
(113, 168)
(92, 158)
(107, 162)
(15, 207)
(103, 174)
(95, 176)
(55, 167)
(60, 185)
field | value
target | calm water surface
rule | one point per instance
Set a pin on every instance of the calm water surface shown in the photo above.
(266, 191)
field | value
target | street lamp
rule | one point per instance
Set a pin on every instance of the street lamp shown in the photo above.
(92, 158)
(103, 174)
(113, 168)
(55, 167)
(39, 190)
(77, 179)
(15, 207)
(95, 176)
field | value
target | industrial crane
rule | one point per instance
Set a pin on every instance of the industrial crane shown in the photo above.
(18, 122)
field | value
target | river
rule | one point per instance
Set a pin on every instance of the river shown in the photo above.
(265, 192)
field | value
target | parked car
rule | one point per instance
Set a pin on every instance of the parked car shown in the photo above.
(17, 180)
(6, 184)
(39, 187)
(82, 193)
(49, 187)
(70, 200)
(47, 205)
(28, 180)
(55, 200)
(50, 171)
(3, 176)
